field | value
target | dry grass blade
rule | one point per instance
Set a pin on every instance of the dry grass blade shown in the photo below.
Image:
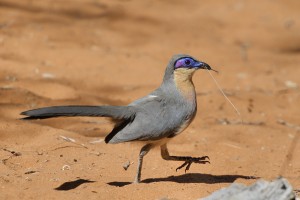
(72, 141)
(219, 87)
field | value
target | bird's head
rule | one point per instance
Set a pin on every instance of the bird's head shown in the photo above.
(188, 63)
(183, 67)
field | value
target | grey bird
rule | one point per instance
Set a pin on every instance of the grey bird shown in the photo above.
(153, 119)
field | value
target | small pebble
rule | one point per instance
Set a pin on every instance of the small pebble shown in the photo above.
(290, 84)
(126, 165)
(48, 76)
(66, 167)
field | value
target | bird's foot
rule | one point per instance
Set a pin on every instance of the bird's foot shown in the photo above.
(137, 179)
(190, 160)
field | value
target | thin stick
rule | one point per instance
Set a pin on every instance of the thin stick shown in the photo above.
(217, 84)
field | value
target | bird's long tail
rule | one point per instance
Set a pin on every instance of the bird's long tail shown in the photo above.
(115, 112)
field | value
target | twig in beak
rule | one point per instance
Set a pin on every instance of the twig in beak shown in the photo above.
(214, 70)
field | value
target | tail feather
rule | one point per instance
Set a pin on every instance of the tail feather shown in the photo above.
(115, 112)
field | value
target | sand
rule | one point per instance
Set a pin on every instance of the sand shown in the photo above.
(94, 52)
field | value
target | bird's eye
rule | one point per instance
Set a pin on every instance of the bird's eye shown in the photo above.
(187, 62)
(183, 62)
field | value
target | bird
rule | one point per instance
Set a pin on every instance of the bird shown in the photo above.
(153, 119)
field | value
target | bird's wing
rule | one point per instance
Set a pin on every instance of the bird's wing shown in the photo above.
(154, 119)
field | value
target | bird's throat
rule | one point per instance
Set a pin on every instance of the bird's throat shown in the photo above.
(184, 83)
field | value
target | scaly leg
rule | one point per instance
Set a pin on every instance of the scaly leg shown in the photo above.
(145, 149)
(187, 159)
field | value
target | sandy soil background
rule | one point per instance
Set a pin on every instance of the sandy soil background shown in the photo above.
(112, 52)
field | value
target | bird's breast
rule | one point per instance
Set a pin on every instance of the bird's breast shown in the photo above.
(187, 105)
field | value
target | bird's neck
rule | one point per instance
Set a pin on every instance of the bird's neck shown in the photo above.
(184, 83)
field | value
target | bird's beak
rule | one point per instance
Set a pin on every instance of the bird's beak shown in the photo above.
(203, 65)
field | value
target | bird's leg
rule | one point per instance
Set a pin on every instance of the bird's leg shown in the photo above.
(145, 149)
(187, 159)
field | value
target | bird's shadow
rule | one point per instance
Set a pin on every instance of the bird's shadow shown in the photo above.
(190, 178)
(73, 184)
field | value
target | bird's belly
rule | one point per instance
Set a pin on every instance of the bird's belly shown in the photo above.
(181, 128)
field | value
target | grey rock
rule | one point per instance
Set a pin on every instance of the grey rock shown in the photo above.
(279, 189)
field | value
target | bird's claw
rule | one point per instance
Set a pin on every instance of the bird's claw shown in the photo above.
(190, 160)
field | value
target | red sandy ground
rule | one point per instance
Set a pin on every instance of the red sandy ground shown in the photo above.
(112, 52)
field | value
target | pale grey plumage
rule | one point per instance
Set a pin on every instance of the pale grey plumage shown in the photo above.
(164, 113)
